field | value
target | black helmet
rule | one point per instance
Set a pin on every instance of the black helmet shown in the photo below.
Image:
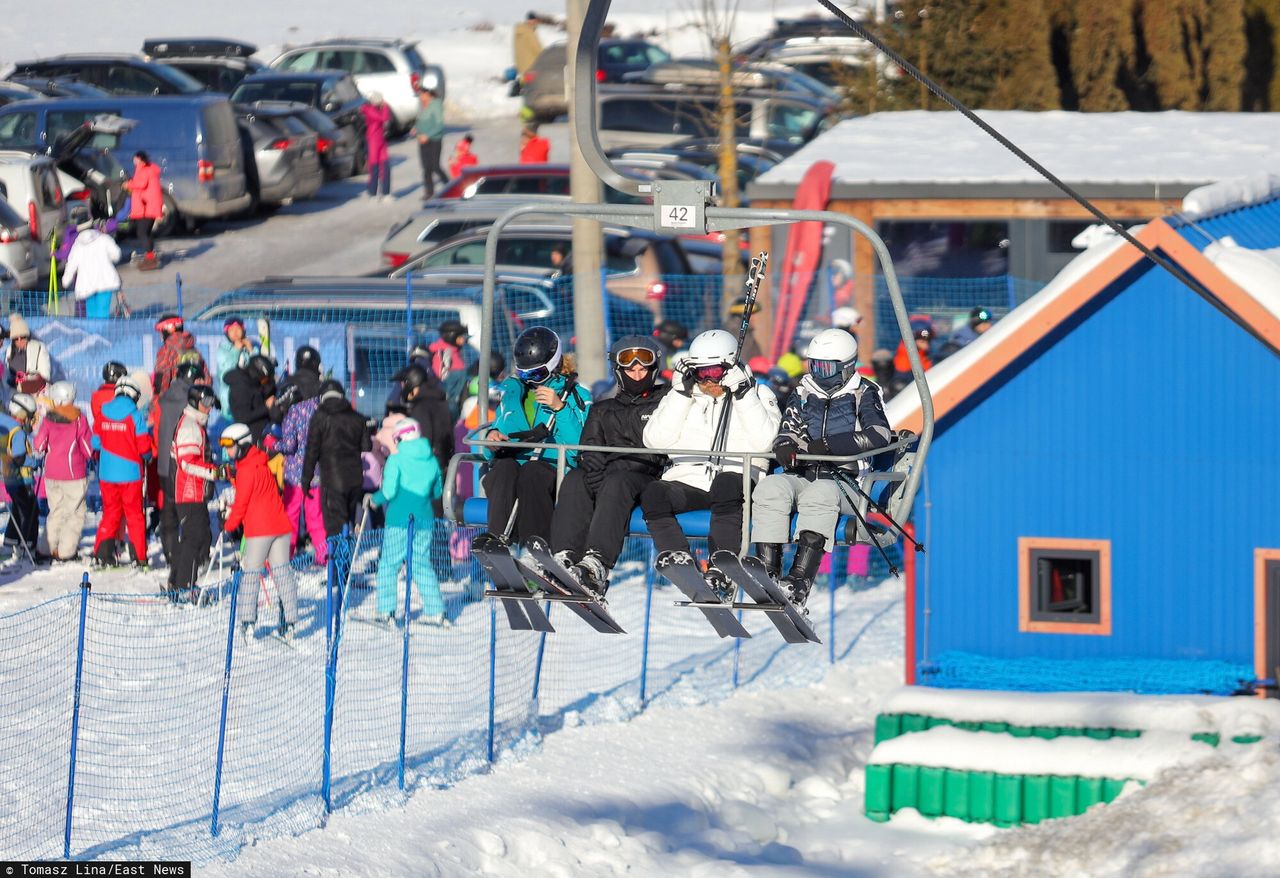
(190, 371)
(169, 324)
(331, 389)
(419, 352)
(307, 358)
(113, 372)
(537, 354)
(670, 330)
(202, 394)
(629, 350)
(452, 330)
(978, 316)
(412, 376)
(261, 368)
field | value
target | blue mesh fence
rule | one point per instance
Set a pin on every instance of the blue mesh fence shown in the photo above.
(147, 764)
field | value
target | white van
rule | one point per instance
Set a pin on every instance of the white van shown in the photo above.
(30, 184)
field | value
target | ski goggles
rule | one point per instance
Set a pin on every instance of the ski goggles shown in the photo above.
(824, 369)
(536, 375)
(629, 357)
(709, 374)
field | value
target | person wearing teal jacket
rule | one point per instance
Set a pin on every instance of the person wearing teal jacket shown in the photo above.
(542, 402)
(410, 482)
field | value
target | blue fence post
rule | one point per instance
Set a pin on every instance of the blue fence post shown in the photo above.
(328, 597)
(737, 648)
(537, 668)
(404, 664)
(644, 645)
(75, 716)
(226, 695)
(331, 689)
(177, 282)
(493, 661)
(408, 311)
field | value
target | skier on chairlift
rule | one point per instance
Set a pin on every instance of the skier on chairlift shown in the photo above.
(834, 411)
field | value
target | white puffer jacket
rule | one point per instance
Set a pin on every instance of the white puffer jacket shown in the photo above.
(91, 264)
(690, 422)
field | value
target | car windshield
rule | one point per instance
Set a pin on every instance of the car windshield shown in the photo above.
(276, 90)
(183, 82)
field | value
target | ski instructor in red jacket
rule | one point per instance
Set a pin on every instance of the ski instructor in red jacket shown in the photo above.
(259, 508)
(147, 205)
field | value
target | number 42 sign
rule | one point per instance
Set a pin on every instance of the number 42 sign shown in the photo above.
(679, 216)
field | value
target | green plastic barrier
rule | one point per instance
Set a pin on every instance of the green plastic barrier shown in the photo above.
(1020, 731)
(914, 722)
(888, 726)
(1046, 732)
(955, 793)
(1247, 739)
(905, 786)
(1062, 796)
(997, 727)
(1111, 788)
(982, 796)
(1035, 798)
(930, 801)
(1008, 800)
(1100, 734)
(1088, 793)
(877, 800)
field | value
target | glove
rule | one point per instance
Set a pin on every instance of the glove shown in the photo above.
(737, 380)
(222, 472)
(538, 434)
(785, 451)
(367, 502)
(682, 379)
(819, 446)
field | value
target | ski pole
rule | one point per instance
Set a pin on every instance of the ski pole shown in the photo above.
(893, 568)
(754, 278)
(919, 547)
(355, 550)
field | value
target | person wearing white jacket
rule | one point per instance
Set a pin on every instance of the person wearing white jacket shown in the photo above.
(91, 267)
(709, 380)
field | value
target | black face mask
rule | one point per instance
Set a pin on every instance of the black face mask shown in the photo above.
(630, 385)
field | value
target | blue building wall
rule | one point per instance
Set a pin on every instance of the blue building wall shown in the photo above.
(1149, 420)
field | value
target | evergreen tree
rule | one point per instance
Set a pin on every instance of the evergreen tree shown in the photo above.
(1262, 37)
(1194, 51)
(1099, 47)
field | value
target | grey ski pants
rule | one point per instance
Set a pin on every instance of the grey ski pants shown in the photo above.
(66, 515)
(284, 588)
(817, 504)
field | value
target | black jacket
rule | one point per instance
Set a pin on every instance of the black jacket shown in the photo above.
(431, 410)
(620, 420)
(307, 382)
(173, 402)
(248, 401)
(335, 439)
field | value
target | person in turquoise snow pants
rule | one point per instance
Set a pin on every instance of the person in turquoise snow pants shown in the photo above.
(410, 482)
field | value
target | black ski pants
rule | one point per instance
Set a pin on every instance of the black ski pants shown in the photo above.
(24, 516)
(191, 543)
(532, 485)
(661, 501)
(596, 520)
(169, 524)
(340, 506)
(429, 154)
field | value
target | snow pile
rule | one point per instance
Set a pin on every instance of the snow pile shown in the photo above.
(1213, 818)
(1256, 271)
(1231, 194)
(1185, 714)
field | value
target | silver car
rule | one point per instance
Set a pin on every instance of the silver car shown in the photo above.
(16, 254)
(440, 220)
(286, 163)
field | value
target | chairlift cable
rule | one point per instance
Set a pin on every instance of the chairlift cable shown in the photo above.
(942, 94)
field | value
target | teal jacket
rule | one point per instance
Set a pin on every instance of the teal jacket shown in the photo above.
(569, 420)
(410, 481)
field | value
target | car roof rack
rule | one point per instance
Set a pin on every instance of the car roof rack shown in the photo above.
(196, 47)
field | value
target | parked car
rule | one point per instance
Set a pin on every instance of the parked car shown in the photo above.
(635, 261)
(642, 115)
(59, 87)
(117, 74)
(773, 149)
(529, 179)
(30, 184)
(217, 64)
(194, 139)
(393, 68)
(340, 154)
(746, 74)
(542, 85)
(14, 91)
(438, 221)
(373, 312)
(91, 176)
(281, 160)
(17, 254)
(670, 163)
(332, 92)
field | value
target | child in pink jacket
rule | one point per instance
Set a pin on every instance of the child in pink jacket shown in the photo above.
(64, 438)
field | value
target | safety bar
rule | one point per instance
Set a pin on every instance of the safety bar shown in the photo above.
(447, 500)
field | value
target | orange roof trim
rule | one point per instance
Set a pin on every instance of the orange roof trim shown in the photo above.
(1158, 235)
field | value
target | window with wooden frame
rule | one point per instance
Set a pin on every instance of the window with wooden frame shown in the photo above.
(1064, 586)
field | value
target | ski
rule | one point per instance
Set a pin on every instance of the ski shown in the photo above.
(509, 586)
(264, 337)
(689, 580)
(750, 575)
(591, 610)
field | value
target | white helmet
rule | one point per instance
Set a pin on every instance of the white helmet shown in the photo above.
(62, 393)
(833, 358)
(846, 317)
(22, 405)
(126, 386)
(236, 436)
(713, 347)
(405, 430)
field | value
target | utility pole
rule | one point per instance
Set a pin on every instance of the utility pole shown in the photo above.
(584, 188)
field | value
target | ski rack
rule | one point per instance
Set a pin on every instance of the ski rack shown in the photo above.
(685, 206)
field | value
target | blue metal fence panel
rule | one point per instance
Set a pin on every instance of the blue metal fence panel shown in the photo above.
(1146, 421)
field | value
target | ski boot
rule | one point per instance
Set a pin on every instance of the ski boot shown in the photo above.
(810, 548)
(770, 555)
(150, 262)
(287, 631)
(246, 633)
(592, 575)
(385, 620)
(435, 620)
